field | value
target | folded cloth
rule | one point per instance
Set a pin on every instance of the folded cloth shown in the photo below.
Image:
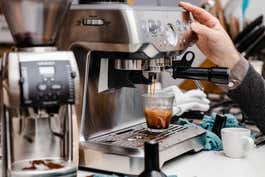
(192, 100)
(211, 141)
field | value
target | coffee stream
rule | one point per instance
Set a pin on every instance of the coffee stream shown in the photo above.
(153, 87)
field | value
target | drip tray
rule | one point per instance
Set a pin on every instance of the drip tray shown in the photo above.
(133, 138)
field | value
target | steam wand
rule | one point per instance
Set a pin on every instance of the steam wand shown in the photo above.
(182, 69)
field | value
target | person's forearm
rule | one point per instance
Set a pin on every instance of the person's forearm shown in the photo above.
(250, 95)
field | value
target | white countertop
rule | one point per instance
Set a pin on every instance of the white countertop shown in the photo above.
(215, 164)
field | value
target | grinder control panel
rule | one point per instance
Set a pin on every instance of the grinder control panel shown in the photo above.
(46, 83)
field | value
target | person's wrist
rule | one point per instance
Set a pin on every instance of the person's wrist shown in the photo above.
(233, 60)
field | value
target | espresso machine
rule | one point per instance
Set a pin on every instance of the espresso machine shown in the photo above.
(39, 88)
(119, 49)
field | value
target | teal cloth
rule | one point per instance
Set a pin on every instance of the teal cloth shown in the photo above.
(208, 121)
(211, 141)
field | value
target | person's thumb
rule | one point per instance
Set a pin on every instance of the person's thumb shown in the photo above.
(201, 29)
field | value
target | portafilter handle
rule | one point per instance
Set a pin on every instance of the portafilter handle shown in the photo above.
(182, 69)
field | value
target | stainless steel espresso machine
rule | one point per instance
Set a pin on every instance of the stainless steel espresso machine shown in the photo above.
(39, 86)
(119, 49)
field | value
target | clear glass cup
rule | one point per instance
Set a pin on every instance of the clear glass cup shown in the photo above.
(158, 111)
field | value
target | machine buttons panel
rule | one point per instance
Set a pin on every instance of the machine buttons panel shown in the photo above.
(47, 83)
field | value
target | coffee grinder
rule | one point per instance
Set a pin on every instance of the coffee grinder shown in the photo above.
(118, 49)
(39, 87)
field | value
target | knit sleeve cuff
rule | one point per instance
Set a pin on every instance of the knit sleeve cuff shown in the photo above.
(237, 74)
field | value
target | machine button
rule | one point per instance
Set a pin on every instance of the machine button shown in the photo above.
(73, 74)
(42, 87)
(152, 26)
(56, 87)
(49, 94)
(54, 97)
(40, 96)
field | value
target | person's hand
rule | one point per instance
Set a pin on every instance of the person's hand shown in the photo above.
(213, 41)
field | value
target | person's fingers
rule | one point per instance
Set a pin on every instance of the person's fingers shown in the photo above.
(201, 29)
(199, 14)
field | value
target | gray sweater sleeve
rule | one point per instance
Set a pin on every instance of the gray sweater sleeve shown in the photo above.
(250, 95)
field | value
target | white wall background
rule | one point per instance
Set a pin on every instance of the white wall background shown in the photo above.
(256, 7)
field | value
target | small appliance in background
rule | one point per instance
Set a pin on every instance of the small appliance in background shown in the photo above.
(39, 86)
(119, 50)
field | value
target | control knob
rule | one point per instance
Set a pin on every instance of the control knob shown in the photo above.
(154, 27)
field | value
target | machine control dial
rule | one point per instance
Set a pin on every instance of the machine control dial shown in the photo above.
(154, 26)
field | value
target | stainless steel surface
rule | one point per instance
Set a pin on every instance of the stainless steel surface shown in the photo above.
(137, 65)
(151, 65)
(13, 70)
(159, 65)
(101, 35)
(37, 49)
(35, 133)
(121, 28)
(37, 25)
(101, 112)
(122, 151)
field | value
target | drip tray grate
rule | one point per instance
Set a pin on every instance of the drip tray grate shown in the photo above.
(135, 136)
